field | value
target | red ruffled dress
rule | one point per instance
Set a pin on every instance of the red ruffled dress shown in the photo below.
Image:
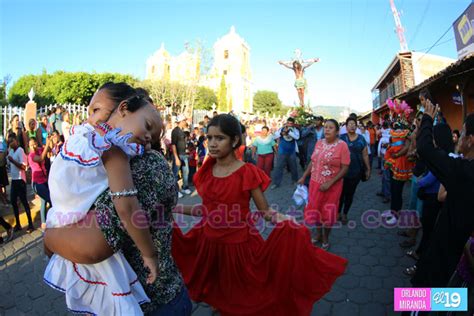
(226, 263)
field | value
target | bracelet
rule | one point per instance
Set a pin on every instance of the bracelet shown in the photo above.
(124, 193)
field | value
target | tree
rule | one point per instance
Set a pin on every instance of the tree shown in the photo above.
(166, 93)
(62, 87)
(180, 97)
(18, 94)
(222, 99)
(205, 98)
(3, 90)
(267, 101)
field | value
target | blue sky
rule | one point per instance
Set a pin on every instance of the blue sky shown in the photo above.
(354, 39)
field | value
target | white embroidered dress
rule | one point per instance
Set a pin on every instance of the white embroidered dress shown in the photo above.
(76, 179)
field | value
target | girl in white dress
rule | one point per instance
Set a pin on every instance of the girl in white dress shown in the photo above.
(78, 177)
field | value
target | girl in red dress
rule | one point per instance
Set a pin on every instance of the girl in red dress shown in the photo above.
(224, 260)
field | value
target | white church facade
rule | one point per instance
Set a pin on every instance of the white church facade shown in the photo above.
(231, 63)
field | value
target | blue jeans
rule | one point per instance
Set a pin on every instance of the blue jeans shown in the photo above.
(179, 306)
(415, 202)
(43, 191)
(282, 160)
(184, 170)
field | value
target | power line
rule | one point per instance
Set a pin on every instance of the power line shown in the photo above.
(401, 5)
(365, 17)
(443, 42)
(446, 32)
(387, 38)
(420, 23)
(384, 46)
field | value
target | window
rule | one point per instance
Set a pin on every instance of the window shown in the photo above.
(391, 90)
(153, 69)
(226, 54)
(376, 99)
(225, 72)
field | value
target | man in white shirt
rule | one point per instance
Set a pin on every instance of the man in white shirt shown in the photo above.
(18, 162)
(382, 148)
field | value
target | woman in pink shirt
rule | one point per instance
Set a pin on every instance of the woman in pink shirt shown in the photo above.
(329, 163)
(39, 176)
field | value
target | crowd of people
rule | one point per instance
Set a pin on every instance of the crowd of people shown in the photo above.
(125, 157)
(137, 265)
(27, 151)
(336, 157)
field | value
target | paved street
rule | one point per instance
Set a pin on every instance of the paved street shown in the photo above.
(375, 264)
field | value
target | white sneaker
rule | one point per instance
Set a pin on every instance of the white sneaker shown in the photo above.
(180, 195)
(186, 191)
(391, 220)
(387, 213)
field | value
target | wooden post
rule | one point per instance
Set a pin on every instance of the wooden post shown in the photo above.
(462, 91)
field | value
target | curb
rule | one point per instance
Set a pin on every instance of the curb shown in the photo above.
(35, 205)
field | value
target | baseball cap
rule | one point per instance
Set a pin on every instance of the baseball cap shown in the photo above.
(180, 118)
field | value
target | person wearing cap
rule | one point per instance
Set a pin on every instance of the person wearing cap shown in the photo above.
(287, 137)
(180, 159)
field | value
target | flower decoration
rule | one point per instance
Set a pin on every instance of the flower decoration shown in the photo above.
(400, 110)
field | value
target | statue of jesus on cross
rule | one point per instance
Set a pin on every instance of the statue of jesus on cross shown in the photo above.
(298, 65)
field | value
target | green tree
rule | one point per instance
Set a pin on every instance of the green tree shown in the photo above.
(3, 90)
(267, 101)
(3, 100)
(222, 99)
(284, 110)
(205, 98)
(62, 87)
(18, 93)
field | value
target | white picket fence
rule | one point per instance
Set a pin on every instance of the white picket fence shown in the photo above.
(71, 108)
(7, 112)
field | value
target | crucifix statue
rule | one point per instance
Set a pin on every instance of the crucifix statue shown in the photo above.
(298, 65)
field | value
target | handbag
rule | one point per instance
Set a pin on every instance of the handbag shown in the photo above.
(300, 196)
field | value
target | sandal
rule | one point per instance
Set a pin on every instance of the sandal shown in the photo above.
(410, 271)
(325, 246)
(412, 254)
(408, 243)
